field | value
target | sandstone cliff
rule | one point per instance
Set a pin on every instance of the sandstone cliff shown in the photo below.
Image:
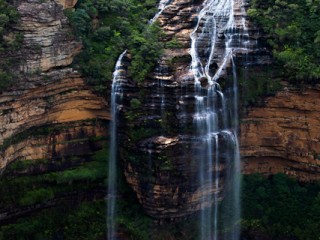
(49, 113)
(158, 141)
(284, 135)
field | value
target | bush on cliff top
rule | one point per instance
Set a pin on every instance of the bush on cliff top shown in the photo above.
(8, 16)
(293, 29)
(107, 28)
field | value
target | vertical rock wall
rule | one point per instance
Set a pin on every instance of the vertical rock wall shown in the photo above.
(49, 113)
(158, 142)
(284, 135)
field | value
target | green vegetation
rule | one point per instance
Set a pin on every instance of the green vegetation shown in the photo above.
(166, 164)
(174, 43)
(135, 103)
(257, 82)
(18, 189)
(8, 42)
(45, 130)
(67, 204)
(6, 79)
(280, 208)
(138, 134)
(293, 29)
(8, 16)
(65, 190)
(107, 28)
(73, 207)
(85, 221)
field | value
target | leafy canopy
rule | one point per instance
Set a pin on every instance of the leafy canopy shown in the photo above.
(293, 29)
(107, 28)
(8, 16)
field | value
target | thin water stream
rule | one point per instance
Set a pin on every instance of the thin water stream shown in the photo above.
(116, 95)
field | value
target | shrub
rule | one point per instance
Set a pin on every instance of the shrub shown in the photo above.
(293, 30)
(107, 28)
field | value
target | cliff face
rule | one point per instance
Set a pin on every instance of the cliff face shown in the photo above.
(284, 135)
(49, 112)
(159, 141)
(157, 161)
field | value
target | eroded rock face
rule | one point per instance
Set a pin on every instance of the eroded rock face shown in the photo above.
(61, 97)
(159, 147)
(48, 40)
(284, 135)
(50, 112)
(55, 142)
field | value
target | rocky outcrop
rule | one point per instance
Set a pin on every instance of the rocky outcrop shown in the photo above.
(158, 147)
(156, 159)
(49, 112)
(284, 135)
(48, 40)
(60, 98)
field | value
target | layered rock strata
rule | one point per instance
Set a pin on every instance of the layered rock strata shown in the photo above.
(283, 136)
(50, 112)
(159, 148)
(48, 40)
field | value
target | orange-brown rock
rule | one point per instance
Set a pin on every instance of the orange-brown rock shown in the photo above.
(284, 135)
(64, 141)
(48, 41)
(48, 94)
(159, 147)
(67, 3)
(55, 101)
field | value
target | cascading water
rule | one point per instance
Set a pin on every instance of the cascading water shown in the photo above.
(219, 34)
(116, 94)
(161, 7)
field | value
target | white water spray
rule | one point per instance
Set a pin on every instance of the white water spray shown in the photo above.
(220, 33)
(116, 93)
(163, 4)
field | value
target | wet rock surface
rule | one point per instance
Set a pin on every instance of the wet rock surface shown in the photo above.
(159, 147)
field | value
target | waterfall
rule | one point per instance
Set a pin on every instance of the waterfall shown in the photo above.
(161, 7)
(219, 34)
(116, 93)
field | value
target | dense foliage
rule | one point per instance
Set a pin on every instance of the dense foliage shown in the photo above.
(256, 83)
(66, 201)
(8, 16)
(280, 208)
(293, 30)
(107, 28)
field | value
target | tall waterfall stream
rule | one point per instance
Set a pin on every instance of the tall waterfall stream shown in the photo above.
(116, 93)
(213, 121)
(215, 117)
